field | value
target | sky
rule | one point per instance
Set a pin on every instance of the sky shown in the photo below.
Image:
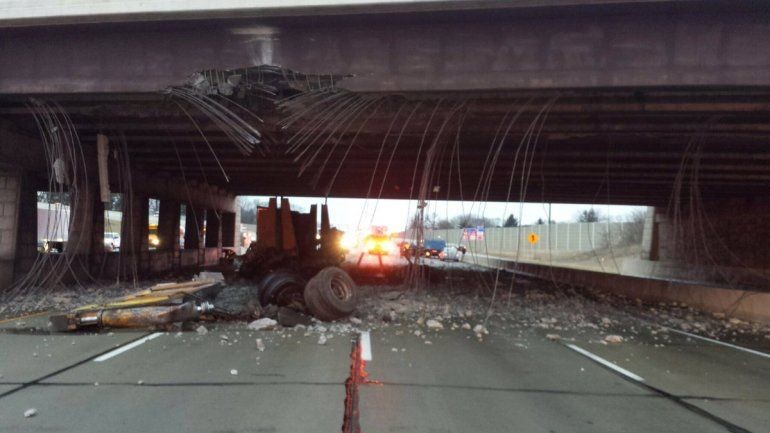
(360, 214)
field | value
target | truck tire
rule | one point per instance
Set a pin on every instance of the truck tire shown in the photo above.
(331, 294)
(316, 307)
(282, 288)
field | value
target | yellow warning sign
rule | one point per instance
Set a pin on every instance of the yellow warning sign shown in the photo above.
(533, 238)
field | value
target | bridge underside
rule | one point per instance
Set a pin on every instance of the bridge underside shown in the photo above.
(644, 104)
(620, 103)
(620, 146)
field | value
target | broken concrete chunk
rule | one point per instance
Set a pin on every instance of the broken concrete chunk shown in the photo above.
(201, 330)
(234, 372)
(260, 345)
(290, 318)
(29, 413)
(613, 339)
(434, 324)
(466, 325)
(391, 295)
(263, 324)
(553, 337)
(322, 339)
(480, 329)
(355, 320)
(205, 275)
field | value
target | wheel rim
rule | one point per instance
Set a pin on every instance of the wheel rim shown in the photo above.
(341, 289)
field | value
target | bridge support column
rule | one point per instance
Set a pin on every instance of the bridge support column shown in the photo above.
(80, 238)
(9, 225)
(193, 227)
(168, 225)
(134, 231)
(724, 244)
(213, 229)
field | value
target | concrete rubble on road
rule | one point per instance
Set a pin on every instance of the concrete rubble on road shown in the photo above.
(264, 324)
(567, 313)
(434, 324)
(564, 314)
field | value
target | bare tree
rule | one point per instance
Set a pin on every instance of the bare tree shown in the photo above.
(465, 221)
(588, 216)
(633, 228)
(249, 209)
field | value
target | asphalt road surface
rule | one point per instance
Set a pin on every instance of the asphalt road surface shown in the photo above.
(508, 382)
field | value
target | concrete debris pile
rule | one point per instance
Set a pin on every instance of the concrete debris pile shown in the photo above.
(425, 315)
(683, 317)
(63, 298)
(555, 315)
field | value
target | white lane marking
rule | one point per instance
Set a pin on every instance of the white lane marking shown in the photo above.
(606, 363)
(127, 347)
(722, 343)
(366, 346)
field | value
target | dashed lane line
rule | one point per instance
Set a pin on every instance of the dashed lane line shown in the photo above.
(127, 347)
(606, 363)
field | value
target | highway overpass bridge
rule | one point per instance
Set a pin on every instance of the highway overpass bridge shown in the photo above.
(659, 103)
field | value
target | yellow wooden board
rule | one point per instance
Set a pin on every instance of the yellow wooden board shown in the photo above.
(157, 294)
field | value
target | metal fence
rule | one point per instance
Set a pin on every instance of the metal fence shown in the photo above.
(562, 237)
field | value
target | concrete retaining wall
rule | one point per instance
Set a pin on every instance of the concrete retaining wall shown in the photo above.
(743, 304)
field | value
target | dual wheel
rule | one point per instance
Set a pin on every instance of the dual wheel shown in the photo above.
(329, 295)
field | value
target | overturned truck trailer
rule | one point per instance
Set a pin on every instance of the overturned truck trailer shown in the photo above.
(296, 266)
